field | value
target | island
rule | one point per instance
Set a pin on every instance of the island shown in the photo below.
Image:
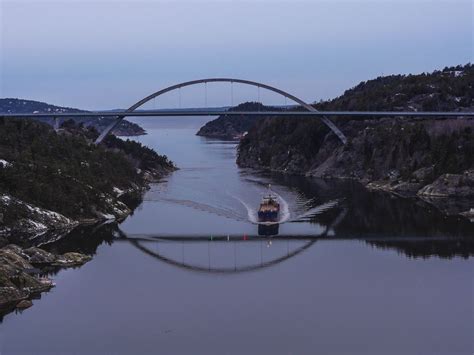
(233, 127)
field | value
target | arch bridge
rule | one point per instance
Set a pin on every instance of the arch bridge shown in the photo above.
(287, 95)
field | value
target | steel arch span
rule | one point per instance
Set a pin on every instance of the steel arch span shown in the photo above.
(293, 98)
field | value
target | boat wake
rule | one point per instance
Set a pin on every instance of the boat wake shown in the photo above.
(220, 211)
(312, 212)
(285, 214)
(252, 213)
(301, 211)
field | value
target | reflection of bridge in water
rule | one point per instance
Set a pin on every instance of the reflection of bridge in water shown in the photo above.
(234, 254)
(154, 245)
(235, 245)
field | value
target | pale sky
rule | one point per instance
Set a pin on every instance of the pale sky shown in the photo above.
(109, 54)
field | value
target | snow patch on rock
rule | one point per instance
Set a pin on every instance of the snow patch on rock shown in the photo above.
(32, 220)
(4, 163)
(118, 191)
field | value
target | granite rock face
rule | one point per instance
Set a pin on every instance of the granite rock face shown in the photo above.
(20, 269)
(24, 304)
(72, 259)
(24, 218)
(451, 185)
(402, 189)
(385, 149)
(433, 160)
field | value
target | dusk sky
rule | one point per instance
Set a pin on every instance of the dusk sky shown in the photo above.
(104, 55)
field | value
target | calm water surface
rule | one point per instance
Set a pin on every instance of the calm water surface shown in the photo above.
(350, 272)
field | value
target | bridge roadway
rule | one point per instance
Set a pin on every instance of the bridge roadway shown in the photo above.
(207, 112)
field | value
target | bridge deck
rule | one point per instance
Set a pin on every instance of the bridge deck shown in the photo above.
(159, 113)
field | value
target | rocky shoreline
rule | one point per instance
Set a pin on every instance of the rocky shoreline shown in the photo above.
(52, 182)
(429, 160)
(23, 263)
(56, 180)
(452, 194)
(22, 274)
(426, 158)
(21, 221)
(392, 167)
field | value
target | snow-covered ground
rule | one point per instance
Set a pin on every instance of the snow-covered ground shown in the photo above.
(37, 221)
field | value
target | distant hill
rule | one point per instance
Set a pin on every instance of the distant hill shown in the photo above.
(232, 127)
(11, 105)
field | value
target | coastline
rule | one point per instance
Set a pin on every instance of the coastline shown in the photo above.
(23, 261)
(91, 187)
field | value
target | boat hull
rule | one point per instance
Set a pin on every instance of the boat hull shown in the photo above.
(268, 216)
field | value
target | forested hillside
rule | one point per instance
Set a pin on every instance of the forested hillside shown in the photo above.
(63, 172)
(412, 151)
(443, 90)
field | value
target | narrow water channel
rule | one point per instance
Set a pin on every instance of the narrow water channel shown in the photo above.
(191, 272)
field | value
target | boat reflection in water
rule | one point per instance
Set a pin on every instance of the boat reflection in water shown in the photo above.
(268, 229)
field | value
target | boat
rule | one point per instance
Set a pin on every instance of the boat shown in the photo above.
(269, 209)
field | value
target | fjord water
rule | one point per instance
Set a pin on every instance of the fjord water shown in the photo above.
(349, 271)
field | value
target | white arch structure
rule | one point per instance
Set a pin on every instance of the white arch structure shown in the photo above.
(132, 108)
